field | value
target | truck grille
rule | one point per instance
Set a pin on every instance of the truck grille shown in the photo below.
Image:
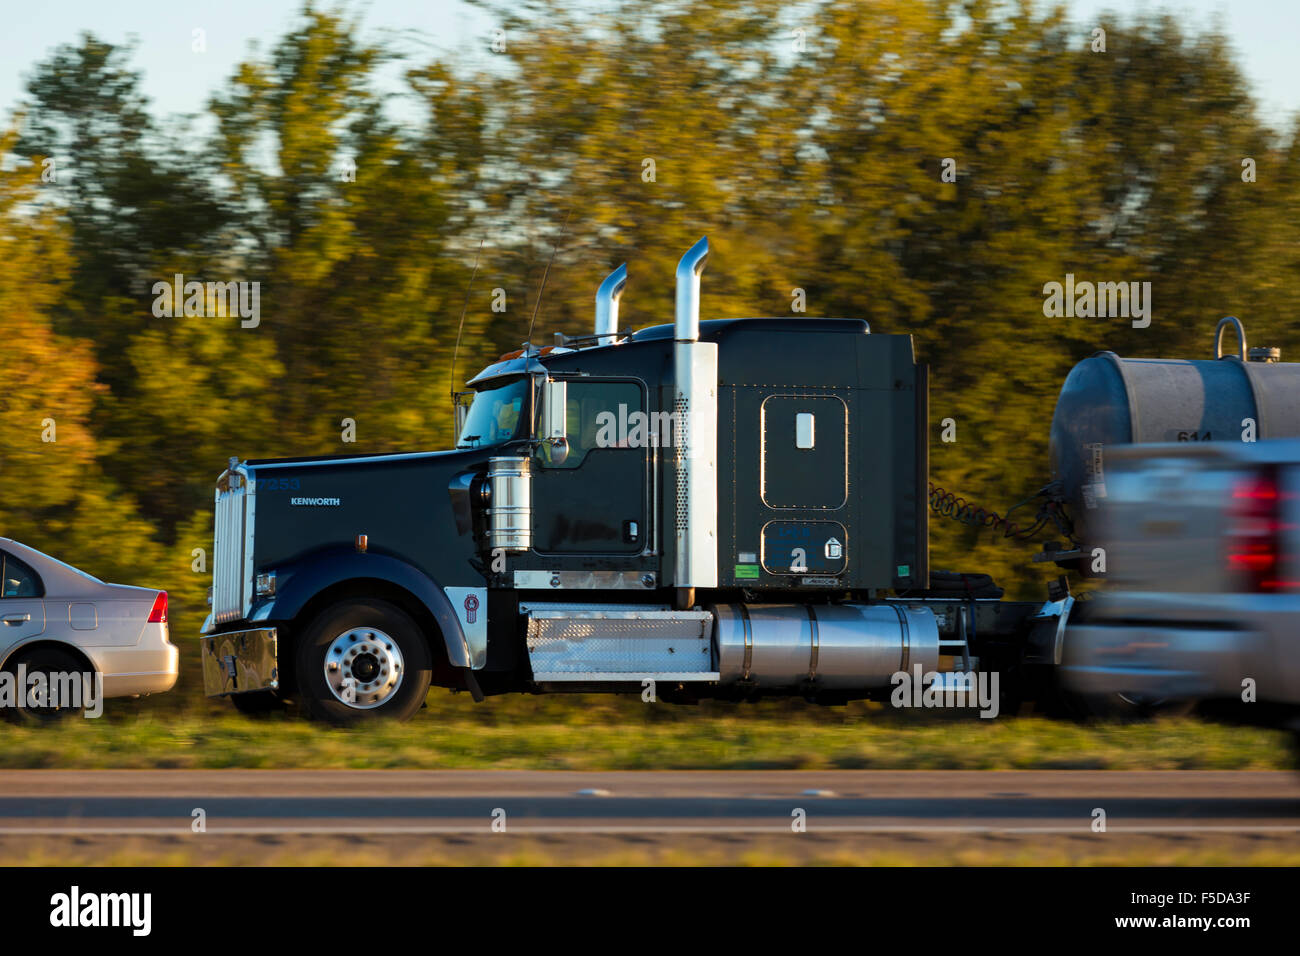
(232, 567)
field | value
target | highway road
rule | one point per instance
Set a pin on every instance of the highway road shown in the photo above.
(252, 816)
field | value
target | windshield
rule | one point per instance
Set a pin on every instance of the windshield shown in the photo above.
(494, 415)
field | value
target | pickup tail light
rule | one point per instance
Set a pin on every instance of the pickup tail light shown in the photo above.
(1256, 533)
(158, 613)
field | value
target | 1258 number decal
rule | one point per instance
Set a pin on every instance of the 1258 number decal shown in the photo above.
(278, 484)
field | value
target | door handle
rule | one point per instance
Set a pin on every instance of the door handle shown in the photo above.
(15, 619)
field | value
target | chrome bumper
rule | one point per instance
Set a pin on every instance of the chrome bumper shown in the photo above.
(240, 661)
(1159, 661)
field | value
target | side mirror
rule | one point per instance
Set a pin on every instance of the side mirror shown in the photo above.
(460, 402)
(554, 425)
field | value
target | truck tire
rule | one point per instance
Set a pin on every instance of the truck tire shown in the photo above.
(43, 660)
(360, 660)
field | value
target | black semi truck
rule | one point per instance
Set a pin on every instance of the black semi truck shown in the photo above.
(728, 508)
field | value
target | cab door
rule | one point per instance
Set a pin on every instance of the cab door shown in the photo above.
(595, 501)
(22, 610)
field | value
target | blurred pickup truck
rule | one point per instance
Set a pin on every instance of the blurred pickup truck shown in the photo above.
(1201, 549)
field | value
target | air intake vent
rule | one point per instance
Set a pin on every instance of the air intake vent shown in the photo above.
(681, 464)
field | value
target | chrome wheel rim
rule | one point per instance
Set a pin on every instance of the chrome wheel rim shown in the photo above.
(364, 668)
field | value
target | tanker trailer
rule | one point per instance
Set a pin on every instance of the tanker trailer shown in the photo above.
(1108, 401)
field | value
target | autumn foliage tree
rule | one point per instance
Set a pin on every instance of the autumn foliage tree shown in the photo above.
(927, 166)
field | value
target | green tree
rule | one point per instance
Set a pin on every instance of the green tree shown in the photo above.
(55, 498)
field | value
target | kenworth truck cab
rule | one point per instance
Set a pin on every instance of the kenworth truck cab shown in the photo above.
(727, 508)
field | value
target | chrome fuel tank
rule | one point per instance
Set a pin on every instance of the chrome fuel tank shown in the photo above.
(834, 646)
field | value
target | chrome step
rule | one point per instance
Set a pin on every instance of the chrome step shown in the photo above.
(618, 643)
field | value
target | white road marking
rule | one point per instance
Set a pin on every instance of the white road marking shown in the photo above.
(1084, 829)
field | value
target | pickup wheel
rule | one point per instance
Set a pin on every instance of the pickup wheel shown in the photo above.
(360, 660)
(1124, 708)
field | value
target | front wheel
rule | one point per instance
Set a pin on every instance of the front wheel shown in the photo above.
(363, 659)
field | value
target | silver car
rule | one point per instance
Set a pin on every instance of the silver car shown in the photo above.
(87, 637)
(1202, 599)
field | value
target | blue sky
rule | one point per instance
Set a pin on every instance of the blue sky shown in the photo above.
(1266, 34)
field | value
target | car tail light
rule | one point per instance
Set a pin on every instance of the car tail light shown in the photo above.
(1256, 533)
(158, 613)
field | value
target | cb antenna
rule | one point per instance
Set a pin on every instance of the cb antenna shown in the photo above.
(463, 310)
(547, 271)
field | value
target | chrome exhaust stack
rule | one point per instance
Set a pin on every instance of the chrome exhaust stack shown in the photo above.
(607, 296)
(686, 326)
(695, 439)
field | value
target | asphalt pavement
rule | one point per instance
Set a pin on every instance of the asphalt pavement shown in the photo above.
(365, 801)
